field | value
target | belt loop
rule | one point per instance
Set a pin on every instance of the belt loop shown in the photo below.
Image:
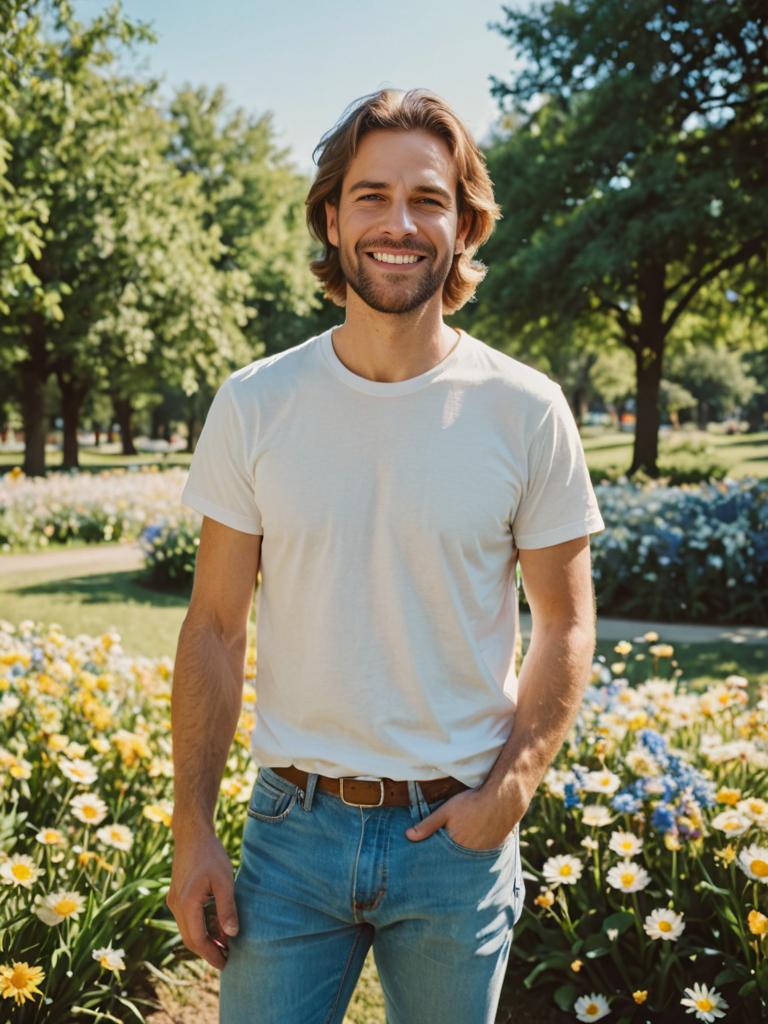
(309, 793)
(418, 803)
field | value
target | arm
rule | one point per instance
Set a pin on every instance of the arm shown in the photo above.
(205, 706)
(555, 671)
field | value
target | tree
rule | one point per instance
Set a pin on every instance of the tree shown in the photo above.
(716, 380)
(124, 286)
(256, 199)
(45, 55)
(637, 177)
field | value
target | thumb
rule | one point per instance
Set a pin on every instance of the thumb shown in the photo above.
(425, 828)
(226, 911)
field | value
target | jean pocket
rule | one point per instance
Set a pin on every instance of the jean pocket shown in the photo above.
(468, 851)
(271, 803)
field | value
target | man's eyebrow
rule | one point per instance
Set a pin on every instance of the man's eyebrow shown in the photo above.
(381, 185)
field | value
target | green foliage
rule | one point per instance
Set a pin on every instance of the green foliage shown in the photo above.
(630, 178)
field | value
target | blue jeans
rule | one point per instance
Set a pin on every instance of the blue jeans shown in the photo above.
(319, 882)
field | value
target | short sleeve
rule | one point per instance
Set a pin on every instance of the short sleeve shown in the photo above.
(559, 502)
(220, 484)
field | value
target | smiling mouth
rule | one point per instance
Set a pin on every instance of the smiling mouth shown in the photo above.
(384, 259)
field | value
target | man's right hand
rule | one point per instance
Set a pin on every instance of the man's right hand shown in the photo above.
(201, 869)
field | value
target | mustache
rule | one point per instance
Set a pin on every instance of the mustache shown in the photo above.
(388, 246)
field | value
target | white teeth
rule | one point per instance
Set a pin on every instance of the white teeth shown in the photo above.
(386, 257)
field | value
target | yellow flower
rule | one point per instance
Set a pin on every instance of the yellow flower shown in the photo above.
(651, 637)
(618, 667)
(159, 812)
(576, 966)
(19, 981)
(545, 899)
(640, 996)
(728, 796)
(758, 923)
(727, 855)
(623, 648)
(661, 650)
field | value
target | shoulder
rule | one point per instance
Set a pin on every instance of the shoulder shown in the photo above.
(266, 384)
(530, 389)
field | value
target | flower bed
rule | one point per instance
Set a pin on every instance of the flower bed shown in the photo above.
(112, 505)
(645, 849)
(694, 553)
(649, 843)
(85, 851)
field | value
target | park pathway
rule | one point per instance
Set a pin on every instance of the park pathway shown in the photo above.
(125, 557)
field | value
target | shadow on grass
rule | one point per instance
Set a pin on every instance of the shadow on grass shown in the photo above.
(110, 588)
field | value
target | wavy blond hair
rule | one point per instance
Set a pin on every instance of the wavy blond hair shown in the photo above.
(403, 111)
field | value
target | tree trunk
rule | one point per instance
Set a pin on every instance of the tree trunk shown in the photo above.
(649, 353)
(72, 395)
(34, 373)
(123, 414)
(191, 432)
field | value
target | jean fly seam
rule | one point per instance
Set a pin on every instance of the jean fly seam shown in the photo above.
(353, 894)
(332, 1012)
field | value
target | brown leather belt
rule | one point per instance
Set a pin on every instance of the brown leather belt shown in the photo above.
(361, 792)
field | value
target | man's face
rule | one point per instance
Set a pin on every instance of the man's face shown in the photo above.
(396, 226)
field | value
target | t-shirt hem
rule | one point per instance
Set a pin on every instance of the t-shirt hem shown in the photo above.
(560, 534)
(221, 515)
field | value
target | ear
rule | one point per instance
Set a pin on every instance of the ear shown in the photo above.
(465, 222)
(332, 223)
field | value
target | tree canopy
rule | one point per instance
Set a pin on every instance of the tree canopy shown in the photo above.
(632, 175)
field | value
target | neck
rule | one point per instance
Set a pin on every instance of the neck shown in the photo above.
(390, 347)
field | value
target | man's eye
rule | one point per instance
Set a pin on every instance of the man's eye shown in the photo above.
(428, 199)
(371, 195)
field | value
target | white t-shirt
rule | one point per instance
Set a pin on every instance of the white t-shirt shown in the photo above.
(390, 515)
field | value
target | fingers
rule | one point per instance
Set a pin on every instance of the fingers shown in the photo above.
(426, 827)
(224, 894)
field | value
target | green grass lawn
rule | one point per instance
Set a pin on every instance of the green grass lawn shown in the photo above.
(743, 454)
(95, 459)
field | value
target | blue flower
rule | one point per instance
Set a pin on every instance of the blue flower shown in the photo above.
(571, 794)
(625, 803)
(663, 818)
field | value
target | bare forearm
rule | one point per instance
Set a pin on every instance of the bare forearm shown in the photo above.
(205, 706)
(551, 687)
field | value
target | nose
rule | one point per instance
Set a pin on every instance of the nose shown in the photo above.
(398, 219)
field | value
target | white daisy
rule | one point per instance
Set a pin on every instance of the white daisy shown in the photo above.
(731, 822)
(562, 870)
(118, 836)
(628, 877)
(79, 771)
(664, 924)
(110, 959)
(50, 836)
(755, 809)
(706, 1003)
(592, 1007)
(626, 844)
(19, 870)
(753, 861)
(57, 906)
(89, 808)
(595, 815)
(601, 782)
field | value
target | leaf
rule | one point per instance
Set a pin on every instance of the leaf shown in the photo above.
(565, 996)
(748, 988)
(621, 921)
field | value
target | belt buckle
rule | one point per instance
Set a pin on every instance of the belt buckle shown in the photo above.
(361, 778)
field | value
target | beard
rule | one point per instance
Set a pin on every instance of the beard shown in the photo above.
(398, 295)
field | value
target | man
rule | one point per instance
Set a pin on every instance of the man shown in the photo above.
(385, 476)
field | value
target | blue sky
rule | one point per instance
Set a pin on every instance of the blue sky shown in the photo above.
(306, 61)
